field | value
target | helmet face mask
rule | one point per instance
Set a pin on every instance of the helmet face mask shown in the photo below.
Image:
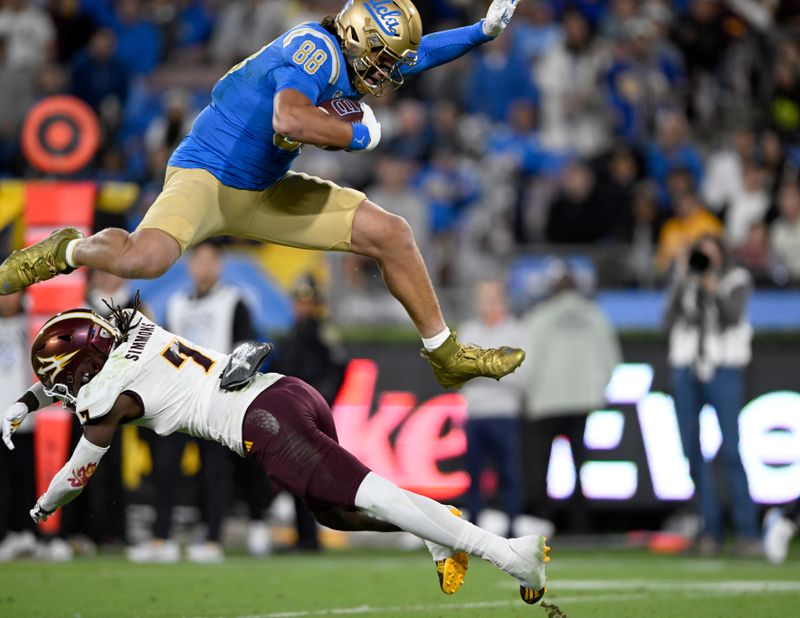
(71, 349)
(379, 38)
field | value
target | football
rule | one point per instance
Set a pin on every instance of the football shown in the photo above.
(348, 110)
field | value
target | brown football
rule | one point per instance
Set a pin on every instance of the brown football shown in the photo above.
(348, 110)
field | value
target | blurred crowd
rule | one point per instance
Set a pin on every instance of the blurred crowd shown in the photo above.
(624, 126)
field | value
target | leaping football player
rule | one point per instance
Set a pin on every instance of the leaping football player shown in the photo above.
(230, 175)
(126, 369)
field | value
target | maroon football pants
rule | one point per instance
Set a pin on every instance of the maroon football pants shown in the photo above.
(290, 432)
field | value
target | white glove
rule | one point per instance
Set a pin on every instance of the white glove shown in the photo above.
(498, 17)
(38, 514)
(373, 127)
(13, 418)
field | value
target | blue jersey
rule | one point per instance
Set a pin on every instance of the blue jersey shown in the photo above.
(233, 136)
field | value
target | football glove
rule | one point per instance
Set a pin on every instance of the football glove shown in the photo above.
(367, 133)
(498, 17)
(13, 418)
(38, 514)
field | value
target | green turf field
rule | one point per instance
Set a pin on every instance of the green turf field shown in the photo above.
(615, 584)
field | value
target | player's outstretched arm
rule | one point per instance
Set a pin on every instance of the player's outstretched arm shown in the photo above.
(33, 399)
(295, 116)
(69, 482)
(440, 48)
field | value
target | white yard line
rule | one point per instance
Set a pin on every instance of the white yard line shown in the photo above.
(638, 585)
(412, 609)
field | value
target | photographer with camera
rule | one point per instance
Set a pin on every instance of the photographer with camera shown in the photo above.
(709, 348)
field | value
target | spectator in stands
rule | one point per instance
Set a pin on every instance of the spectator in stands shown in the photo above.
(642, 81)
(577, 214)
(778, 168)
(616, 18)
(245, 26)
(755, 254)
(785, 233)
(166, 131)
(73, 28)
(673, 150)
(703, 40)
(618, 173)
(748, 206)
(16, 97)
(520, 145)
(17, 481)
(493, 408)
(573, 115)
(411, 138)
(498, 77)
(572, 351)
(29, 33)
(784, 103)
(184, 25)
(724, 169)
(535, 30)
(140, 43)
(640, 230)
(98, 77)
(394, 175)
(680, 232)
(709, 349)
(311, 352)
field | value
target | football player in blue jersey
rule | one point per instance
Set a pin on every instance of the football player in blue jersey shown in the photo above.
(231, 176)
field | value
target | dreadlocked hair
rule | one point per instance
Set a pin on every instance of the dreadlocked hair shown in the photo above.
(123, 316)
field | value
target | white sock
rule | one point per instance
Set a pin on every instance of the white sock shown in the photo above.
(430, 520)
(431, 343)
(70, 252)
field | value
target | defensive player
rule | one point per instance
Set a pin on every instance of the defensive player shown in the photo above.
(129, 370)
(230, 175)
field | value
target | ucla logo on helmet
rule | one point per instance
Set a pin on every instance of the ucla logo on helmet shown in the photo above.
(385, 16)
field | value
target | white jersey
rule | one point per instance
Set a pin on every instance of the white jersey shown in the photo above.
(177, 384)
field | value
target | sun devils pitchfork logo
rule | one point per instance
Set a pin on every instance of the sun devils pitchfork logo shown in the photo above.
(56, 365)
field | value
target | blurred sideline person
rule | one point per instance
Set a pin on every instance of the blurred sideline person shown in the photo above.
(213, 314)
(231, 175)
(493, 408)
(17, 481)
(709, 348)
(310, 352)
(576, 351)
(129, 370)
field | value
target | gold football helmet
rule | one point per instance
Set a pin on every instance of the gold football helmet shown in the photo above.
(379, 37)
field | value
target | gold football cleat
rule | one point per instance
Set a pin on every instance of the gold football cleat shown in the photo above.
(452, 570)
(39, 262)
(455, 363)
(532, 596)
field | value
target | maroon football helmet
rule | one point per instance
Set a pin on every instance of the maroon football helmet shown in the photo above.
(70, 350)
